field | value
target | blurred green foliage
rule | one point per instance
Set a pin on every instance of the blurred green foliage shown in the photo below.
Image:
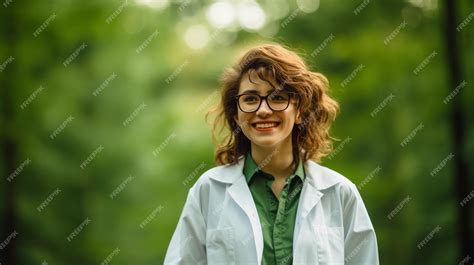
(139, 71)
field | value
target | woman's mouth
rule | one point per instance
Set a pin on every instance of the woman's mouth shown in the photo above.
(265, 126)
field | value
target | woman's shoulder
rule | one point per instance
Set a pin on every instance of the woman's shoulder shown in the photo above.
(330, 181)
(325, 177)
(224, 174)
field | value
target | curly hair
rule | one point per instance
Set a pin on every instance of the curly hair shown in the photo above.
(310, 138)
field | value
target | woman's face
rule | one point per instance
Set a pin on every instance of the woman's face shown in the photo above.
(265, 128)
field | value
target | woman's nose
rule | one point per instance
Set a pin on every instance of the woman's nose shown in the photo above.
(264, 109)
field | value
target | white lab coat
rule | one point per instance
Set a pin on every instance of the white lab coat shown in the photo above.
(220, 224)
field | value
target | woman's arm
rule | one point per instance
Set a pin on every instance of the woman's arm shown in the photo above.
(188, 244)
(360, 242)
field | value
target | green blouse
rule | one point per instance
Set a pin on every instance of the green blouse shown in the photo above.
(277, 215)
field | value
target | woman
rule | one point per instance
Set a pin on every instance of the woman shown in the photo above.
(269, 202)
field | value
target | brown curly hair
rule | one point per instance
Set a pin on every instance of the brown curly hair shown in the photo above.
(311, 139)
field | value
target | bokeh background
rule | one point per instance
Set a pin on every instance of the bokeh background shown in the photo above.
(103, 132)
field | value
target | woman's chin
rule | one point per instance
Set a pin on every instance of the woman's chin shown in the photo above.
(266, 142)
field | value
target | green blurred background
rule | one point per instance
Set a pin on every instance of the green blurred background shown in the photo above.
(102, 118)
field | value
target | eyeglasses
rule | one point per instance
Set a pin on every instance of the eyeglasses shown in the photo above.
(276, 101)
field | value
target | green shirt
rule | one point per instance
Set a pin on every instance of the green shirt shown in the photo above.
(277, 215)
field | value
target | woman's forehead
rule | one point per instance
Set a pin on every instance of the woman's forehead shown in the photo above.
(251, 81)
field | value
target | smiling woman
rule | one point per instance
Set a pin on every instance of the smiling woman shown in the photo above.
(272, 67)
(269, 201)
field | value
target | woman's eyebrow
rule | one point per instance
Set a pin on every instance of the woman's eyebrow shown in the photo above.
(254, 91)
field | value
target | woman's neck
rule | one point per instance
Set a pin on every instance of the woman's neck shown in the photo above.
(277, 161)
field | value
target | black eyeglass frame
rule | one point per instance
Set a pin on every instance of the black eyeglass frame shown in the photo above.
(290, 94)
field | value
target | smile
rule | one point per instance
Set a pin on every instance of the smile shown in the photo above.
(265, 126)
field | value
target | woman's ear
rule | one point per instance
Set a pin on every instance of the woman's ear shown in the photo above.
(298, 118)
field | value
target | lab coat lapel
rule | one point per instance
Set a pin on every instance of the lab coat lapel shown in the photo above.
(240, 193)
(309, 198)
(315, 182)
(310, 194)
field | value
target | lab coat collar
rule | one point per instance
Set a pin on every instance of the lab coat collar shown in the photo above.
(317, 178)
(315, 174)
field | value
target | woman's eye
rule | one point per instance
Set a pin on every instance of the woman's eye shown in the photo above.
(250, 98)
(279, 97)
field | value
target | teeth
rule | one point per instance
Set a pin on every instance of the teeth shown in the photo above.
(265, 125)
